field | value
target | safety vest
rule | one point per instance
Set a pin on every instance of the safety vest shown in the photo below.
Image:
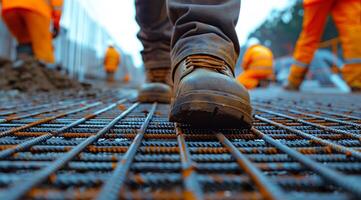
(111, 60)
(257, 57)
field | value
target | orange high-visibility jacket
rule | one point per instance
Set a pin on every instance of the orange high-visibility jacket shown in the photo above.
(257, 56)
(257, 65)
(111, 60)
(43, 7)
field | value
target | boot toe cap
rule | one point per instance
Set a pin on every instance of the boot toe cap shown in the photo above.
(212, 81)
(155, 92)
(209, 98)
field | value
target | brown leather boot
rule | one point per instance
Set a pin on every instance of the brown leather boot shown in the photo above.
(207, 94)
(157, 87)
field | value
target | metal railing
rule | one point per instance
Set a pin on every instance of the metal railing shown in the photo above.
(7, 43)
(80, 46)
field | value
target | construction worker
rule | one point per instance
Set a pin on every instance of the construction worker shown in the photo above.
(126, 78)
(257, 66)
(111, 62)
(193, 45)
(346, 15)
(29, 22)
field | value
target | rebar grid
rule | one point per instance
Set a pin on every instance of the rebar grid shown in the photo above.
(109, 147)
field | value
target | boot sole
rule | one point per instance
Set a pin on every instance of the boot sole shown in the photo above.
(150, 97)
(213, 109)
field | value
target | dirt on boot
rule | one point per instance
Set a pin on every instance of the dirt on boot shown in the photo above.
(31, 76)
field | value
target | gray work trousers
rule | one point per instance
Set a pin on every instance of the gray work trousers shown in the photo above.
(171, 30)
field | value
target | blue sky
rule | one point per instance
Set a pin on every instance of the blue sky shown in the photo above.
(118, 16)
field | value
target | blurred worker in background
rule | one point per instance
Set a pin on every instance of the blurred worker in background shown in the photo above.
(29, 21)
(347, 17)
(126, 78)
(257, 66)
(111, 62)
(195, 48)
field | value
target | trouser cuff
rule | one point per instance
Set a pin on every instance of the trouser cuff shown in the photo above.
(156, 60)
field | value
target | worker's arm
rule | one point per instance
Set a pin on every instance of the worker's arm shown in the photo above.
(56, 11)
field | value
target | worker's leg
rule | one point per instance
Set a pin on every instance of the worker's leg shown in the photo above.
(126, 78)
(110, 77)
(14, 20)
(347, 17)
(253, 78)
(204, 52)
(202, 27)
(314, 20)
(155, 33)
(39, 30)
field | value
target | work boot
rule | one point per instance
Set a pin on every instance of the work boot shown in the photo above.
(351, 73)
(291, 86)
(296, 77)
(24, 51)
(207, 94)
(157, 87)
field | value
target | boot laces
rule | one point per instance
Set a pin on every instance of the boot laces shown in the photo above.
(158, 75)
(208, 62)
